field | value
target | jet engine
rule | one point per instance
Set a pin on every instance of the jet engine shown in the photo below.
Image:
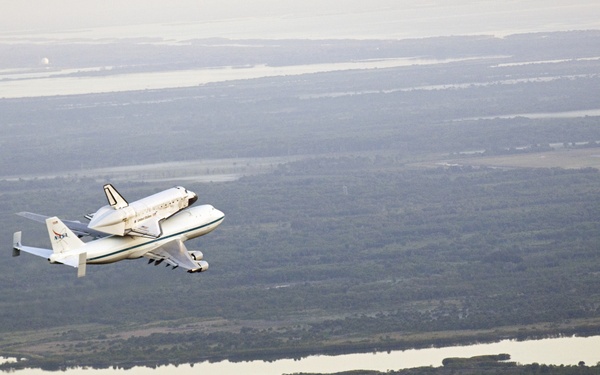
(196, 255)
(202, 266)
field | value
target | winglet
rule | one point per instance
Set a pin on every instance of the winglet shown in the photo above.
(115, 200)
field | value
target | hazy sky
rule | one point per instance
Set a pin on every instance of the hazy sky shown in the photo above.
(21, 15)
(300, 18)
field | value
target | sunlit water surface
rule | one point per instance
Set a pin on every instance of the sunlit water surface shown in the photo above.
(27, 84)
(558, 351)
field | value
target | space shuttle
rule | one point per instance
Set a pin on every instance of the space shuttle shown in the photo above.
(142, 217)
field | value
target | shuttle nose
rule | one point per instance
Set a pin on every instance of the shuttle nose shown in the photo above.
(193, 198)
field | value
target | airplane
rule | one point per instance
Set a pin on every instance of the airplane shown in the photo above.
(142, 217)
(69, 249)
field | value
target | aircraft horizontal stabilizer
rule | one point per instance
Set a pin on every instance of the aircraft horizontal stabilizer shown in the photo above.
(73, 259)
(18, 247)
(76, 259)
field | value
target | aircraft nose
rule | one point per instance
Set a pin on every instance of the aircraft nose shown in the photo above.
(218, 213)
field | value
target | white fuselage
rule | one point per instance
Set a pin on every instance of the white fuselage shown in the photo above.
(187, 224)
(142, 217)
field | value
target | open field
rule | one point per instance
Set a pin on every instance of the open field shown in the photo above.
(192, 171)
(558, 158)
(224, 170)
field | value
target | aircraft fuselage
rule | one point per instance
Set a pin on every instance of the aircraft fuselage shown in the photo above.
(185, 225)
(142, 217)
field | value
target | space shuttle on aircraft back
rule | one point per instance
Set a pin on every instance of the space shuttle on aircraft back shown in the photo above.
(142, 217)
(124, 230)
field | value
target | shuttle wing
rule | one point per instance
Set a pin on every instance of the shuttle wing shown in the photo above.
(79, 228)
(175, 253)
(148, 228)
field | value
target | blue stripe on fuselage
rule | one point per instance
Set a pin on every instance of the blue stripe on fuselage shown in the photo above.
(156, 240)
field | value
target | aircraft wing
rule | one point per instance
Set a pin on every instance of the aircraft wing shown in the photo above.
(79, 228)
(175, 253)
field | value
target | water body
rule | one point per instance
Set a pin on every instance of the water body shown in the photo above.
(28, 84)
(350, 19)
(379, 19)
(565, 351)
(453, 86)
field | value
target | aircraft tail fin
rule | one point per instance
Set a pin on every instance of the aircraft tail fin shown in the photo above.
(61, 237)
(115, 200)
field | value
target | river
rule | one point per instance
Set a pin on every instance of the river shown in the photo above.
(556, 351)
(18, 84)
(380, 19)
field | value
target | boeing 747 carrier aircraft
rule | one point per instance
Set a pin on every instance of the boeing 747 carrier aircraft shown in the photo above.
(168, 247)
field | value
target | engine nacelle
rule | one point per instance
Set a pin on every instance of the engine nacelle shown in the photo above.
(197, 255)
(202, 266)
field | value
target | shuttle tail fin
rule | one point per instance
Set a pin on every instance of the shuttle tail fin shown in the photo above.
(115, 200)
(61, 237)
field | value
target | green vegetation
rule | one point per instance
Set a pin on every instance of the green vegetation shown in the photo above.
(352, 245)
(403, 252)
(409, 111)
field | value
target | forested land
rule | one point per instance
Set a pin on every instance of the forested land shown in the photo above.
(354, 245)
(411, 111)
